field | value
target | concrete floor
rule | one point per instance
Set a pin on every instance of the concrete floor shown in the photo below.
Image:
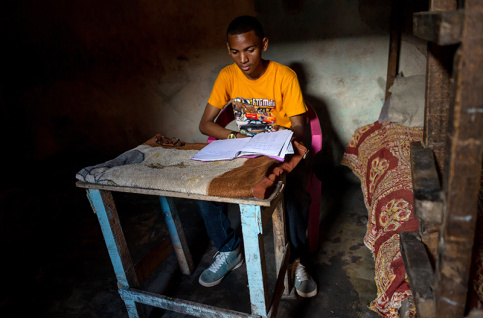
(58, 266)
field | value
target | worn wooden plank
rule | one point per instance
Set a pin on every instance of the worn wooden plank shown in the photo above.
(280, 241)
(440, 27)
(252, 201)
(154, 258)
(177, 235)
(252, 228)
(280, 285)
(179, 305)
(462, 172)
(268, 212)
(429, 233)
(103, 205)
(438, 90)
(394, 45)
(438, 98)
(428, 198)
(420, 273)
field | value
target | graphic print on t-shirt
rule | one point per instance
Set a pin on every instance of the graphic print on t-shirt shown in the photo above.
(254, 115)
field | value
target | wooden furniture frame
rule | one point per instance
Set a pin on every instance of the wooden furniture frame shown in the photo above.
(446, 168)
(254, 213)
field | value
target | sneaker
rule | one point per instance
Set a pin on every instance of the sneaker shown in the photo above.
(224, 263)
(304, 283)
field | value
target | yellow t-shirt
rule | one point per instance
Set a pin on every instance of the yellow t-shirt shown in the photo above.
(269, 100)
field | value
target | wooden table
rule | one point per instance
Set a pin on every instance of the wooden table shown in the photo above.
(254, 215)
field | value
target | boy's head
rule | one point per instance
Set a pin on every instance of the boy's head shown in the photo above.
(245, 24)
(245, 42)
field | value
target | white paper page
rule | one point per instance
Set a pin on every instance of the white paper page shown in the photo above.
(286, 148)
(226, 149)
(290, 150)
(269, 144)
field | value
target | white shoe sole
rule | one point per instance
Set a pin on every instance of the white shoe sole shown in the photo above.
(202, 283)
(307, 295)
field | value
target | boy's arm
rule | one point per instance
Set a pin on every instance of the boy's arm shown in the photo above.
(210, 128)
(298, 129)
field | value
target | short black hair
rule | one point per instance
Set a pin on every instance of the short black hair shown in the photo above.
(245, 24)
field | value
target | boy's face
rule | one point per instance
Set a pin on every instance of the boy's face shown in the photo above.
(246, 50)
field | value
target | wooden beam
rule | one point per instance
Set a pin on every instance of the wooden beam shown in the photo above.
(102, 204)
(438, 99)
(420, 273)
(462, 171)
(440, 27)
(185, 307)
(252, 201)
(394, 45)
(428, 198)
(178, 238)
(438, 90)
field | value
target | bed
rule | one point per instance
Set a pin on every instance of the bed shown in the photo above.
(379, 155)
(424, 199)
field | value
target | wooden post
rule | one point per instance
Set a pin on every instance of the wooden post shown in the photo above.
(103, 205)
(420, 274)
(438, 90)
(177, 235)
(394, 45)
(280, 241)
(463, 167)
(252, 228)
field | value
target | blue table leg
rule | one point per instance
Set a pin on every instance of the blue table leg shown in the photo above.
(251, 220)
(280, 241)
(103, 206)
(177, 235)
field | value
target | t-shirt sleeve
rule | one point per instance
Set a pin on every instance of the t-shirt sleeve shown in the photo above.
(219, 96)
(292, 96)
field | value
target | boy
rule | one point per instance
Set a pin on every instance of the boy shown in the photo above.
(266, 97)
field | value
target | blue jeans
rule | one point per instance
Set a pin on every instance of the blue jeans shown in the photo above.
(218, 225)
(297, 202)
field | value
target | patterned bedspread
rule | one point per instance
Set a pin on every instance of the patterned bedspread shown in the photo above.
(379, 155)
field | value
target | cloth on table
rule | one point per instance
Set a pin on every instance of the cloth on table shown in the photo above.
(163, 165)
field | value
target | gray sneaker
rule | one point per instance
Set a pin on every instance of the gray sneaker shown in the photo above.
(304, 283)
(224, 263)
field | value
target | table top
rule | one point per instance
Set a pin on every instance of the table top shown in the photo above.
(249, 201)
(170, 170)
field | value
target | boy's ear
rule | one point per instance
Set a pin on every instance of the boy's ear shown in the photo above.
(228, 47)
(264, 44)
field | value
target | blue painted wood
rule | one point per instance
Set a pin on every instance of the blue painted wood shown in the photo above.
(181, 306)
(111, 235)
(252, 227)
(103, 205)
(177, 235)
(251, 220)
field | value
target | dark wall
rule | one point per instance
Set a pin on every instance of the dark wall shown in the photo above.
(82, 81)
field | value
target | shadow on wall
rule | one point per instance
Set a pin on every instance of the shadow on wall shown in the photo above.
(332, 147)
(326, 163)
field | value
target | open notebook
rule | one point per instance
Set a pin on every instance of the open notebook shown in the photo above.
(275, 145)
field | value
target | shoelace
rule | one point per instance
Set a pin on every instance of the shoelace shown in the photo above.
(220, 258)
(300, 272)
